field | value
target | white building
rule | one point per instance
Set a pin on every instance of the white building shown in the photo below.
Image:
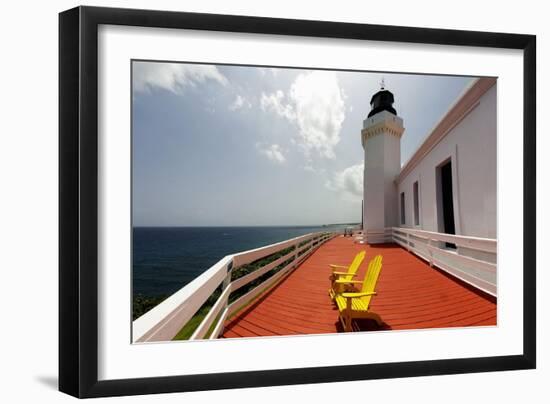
(448, 185)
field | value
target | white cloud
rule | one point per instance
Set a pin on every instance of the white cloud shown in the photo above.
(273, 153)
(240, 102)
(274, 102)
(173, 76)
(349, 182)
(320, 111)
(315, 104)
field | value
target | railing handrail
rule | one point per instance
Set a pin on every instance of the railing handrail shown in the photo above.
(165, 320)
(476, 271)
(477, 243)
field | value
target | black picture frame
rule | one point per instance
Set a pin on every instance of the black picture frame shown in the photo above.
(78, 200)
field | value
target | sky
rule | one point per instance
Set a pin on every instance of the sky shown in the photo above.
(216, 145)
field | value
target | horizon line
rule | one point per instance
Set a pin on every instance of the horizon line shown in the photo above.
(254, 225)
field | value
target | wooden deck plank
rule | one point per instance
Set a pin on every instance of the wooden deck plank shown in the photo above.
(410, 295)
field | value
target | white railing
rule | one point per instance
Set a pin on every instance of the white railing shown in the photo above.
(163, 322)
(471, 259)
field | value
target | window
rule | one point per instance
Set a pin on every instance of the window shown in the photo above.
(402, 207)
(416, 207)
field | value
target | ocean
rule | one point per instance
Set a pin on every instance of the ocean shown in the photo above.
(167, 258)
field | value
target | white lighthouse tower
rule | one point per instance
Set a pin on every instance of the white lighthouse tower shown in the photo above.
(381, 139)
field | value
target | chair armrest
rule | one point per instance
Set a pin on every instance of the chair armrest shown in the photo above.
(342, 273)
(333, 266)
(343, 281)
(357, 294)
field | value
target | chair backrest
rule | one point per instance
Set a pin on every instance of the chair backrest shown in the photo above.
(352, 269)
(371, 277)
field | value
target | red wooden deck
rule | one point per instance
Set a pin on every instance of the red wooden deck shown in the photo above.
(411, 295)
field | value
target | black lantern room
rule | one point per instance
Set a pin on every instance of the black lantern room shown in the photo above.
(382, 101)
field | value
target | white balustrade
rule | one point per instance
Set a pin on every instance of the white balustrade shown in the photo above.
(472, 259)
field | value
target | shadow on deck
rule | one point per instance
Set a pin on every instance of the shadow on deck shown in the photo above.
(410, 295)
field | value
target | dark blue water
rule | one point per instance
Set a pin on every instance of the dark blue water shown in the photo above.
(167, 258)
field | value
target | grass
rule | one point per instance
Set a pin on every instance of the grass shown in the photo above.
(189, 328)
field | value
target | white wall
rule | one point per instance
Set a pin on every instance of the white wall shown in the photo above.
(472, 147)
(28, 206)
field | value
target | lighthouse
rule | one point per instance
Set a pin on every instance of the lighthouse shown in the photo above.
(381, 140)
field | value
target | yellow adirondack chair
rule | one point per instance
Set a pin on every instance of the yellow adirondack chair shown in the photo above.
(348, 275)
(355, 305)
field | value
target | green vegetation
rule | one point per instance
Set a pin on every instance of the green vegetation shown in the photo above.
(253, 266)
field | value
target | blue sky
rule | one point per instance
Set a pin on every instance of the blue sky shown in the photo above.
(248, 146)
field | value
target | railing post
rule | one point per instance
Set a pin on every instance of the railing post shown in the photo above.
(431, 252)
(295, 262)
(227, 279)
(225, 284)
